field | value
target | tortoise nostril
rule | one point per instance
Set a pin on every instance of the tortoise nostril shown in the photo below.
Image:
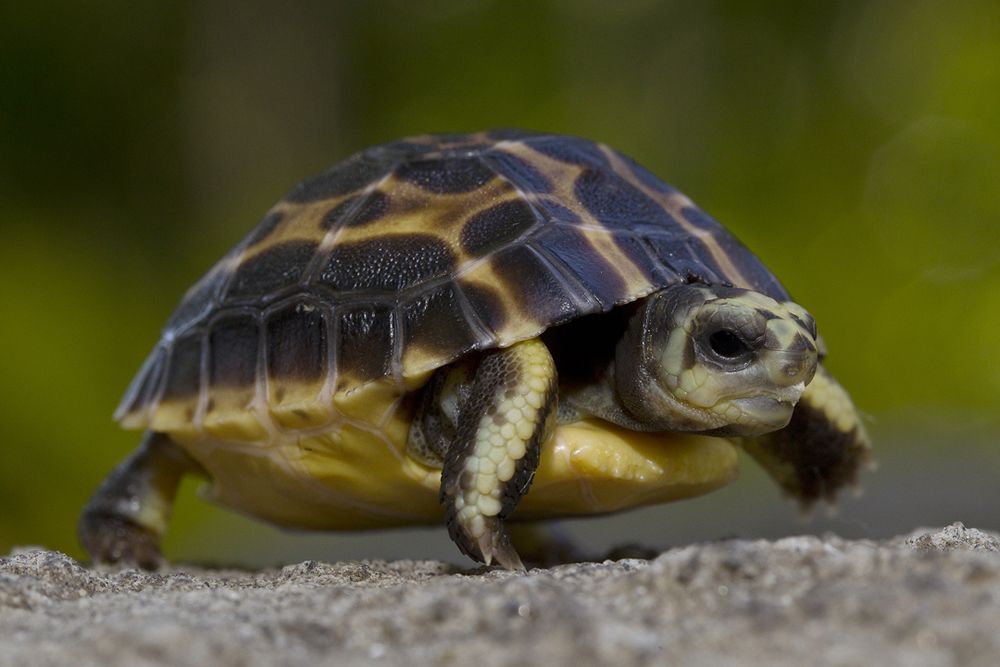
(795, 370)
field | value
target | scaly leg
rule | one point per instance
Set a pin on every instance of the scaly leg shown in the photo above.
(501, 423)
(127, 515)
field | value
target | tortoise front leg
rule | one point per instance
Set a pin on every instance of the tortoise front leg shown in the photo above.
(823, 447)
(127, 515)
(500, 429)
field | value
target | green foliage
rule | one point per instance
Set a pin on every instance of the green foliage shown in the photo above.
(853, 145)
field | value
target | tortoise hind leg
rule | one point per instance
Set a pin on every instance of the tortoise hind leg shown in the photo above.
(503, 418)
(823, 447)
(127, 515)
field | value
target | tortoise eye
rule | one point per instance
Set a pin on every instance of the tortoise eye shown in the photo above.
(727, 345)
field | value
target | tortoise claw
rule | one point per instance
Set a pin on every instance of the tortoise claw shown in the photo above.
(494, 545)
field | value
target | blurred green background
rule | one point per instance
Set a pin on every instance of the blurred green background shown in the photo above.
(855, 146)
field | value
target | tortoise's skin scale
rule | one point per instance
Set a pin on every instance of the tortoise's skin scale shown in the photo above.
(318, 300)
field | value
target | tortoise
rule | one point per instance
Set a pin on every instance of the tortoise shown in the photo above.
(475, 328)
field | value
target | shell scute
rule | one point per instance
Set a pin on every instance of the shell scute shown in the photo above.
(297, 347)
(435, 322)
(446, 175)
(497, 226)
(272, 269)
(387, 263)
(366, 342)
(616, 203)
(184, 370)
(233, 345)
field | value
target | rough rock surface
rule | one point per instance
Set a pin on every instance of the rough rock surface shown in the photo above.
(932, 598)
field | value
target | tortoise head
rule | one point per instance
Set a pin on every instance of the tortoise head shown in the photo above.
(717, 360)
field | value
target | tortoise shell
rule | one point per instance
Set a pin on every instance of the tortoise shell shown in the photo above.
(409, 255)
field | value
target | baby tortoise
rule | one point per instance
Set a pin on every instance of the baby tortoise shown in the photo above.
(451, 320)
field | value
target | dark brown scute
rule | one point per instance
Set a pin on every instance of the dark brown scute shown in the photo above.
(617, 203)
(297, 343)
(580, 258)
(184, 369)
(365, 341)
(497, 226)
(542, 294)
(344, 178)
(446, 175)
(388, 263)
(272, 269)
(434, 322)
(487, 304)
(232, 349)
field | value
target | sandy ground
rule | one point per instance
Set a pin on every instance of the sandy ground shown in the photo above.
(931, 598)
